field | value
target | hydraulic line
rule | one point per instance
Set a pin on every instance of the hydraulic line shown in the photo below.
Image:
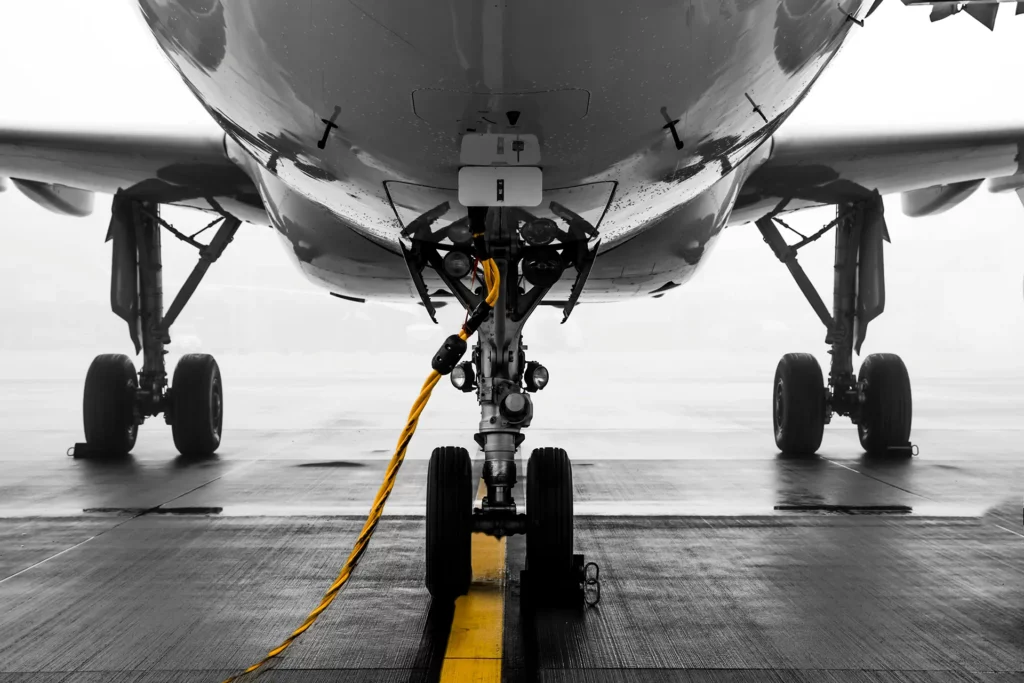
(492, 278)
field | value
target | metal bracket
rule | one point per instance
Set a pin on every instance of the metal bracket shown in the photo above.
(416, 273)
(208, 255)
(580, 232)
(582, 275)
(787, 255)
(579, 228)
(498, 523)
(420, 227)
(850, 17)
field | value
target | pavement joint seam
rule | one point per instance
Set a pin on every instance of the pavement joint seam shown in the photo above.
(881, 481)
(1015, 533)
(116, 526)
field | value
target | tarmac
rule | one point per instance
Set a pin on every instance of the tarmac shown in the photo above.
(720, 559)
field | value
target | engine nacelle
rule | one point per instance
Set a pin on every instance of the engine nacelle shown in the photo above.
(929, 201)
(1010, 183)
(67, 201)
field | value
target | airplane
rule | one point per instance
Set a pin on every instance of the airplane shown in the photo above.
(588, 154)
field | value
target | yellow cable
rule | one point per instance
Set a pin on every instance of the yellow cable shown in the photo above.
(493, 279)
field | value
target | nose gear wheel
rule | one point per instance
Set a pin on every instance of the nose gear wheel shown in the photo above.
(449, 522)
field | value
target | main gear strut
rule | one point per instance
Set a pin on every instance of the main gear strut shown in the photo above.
(878, 401)
(117, 400)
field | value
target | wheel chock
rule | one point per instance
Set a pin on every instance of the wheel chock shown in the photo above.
(909, 450)
(580, 588)
(84, 450)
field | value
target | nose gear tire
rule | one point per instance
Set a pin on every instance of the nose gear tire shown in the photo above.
(888, 407)
(449, 523)
(108, 405)
(197, 405)
(549, 517)
(798, 404)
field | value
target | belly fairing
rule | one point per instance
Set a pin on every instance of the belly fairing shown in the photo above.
(395, 85)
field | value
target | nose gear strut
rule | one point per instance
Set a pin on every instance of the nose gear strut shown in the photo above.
(531, 254)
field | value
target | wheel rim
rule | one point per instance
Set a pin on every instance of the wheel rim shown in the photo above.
(216, 407)
(780, 405)
(133, 424)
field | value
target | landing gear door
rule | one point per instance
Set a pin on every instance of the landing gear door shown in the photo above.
(870, 270)
(124, 271)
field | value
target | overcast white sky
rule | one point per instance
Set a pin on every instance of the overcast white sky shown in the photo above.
(955, 281)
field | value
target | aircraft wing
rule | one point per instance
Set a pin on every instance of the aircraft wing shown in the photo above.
(935, 169)
(61, 169)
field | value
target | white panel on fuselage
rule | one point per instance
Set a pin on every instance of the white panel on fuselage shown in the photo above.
(500, 186)
(499, 149)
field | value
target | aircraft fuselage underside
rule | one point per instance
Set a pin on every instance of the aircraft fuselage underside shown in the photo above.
(350, 117)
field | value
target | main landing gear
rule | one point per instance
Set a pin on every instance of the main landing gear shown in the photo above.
(878, 398)
(528, 251)
(116, 399)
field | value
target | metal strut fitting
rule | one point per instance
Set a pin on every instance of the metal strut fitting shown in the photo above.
(137, 290)
(531, 254)
(858, 289)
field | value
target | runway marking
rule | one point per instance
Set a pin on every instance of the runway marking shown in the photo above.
(475, 650)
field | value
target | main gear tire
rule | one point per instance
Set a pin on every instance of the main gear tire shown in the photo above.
(549, 516)
(798, 404)
(197, 405)
(108, 405)
(449, 523)
(887, 411)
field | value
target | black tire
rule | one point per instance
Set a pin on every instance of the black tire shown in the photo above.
(197, 405)
(798, 404)
(549, 516)
(108, 406)
(449, 523)
(888, 407)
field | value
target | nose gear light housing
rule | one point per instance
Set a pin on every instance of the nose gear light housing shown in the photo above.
(459, 233)
(536, 376)
(463, 377)
(539, 232)
(544, 267)
(457, 264)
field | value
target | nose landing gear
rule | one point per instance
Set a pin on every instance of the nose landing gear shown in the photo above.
(877, 399)
(503, 382)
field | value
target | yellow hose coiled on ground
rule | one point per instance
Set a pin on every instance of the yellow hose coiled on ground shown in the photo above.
(493, 281)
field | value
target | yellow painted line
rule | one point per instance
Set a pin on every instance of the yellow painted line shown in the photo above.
(475, 643)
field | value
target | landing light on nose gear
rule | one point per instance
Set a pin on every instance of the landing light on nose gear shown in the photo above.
(536, 376)
(463, 378)
(501, 376)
